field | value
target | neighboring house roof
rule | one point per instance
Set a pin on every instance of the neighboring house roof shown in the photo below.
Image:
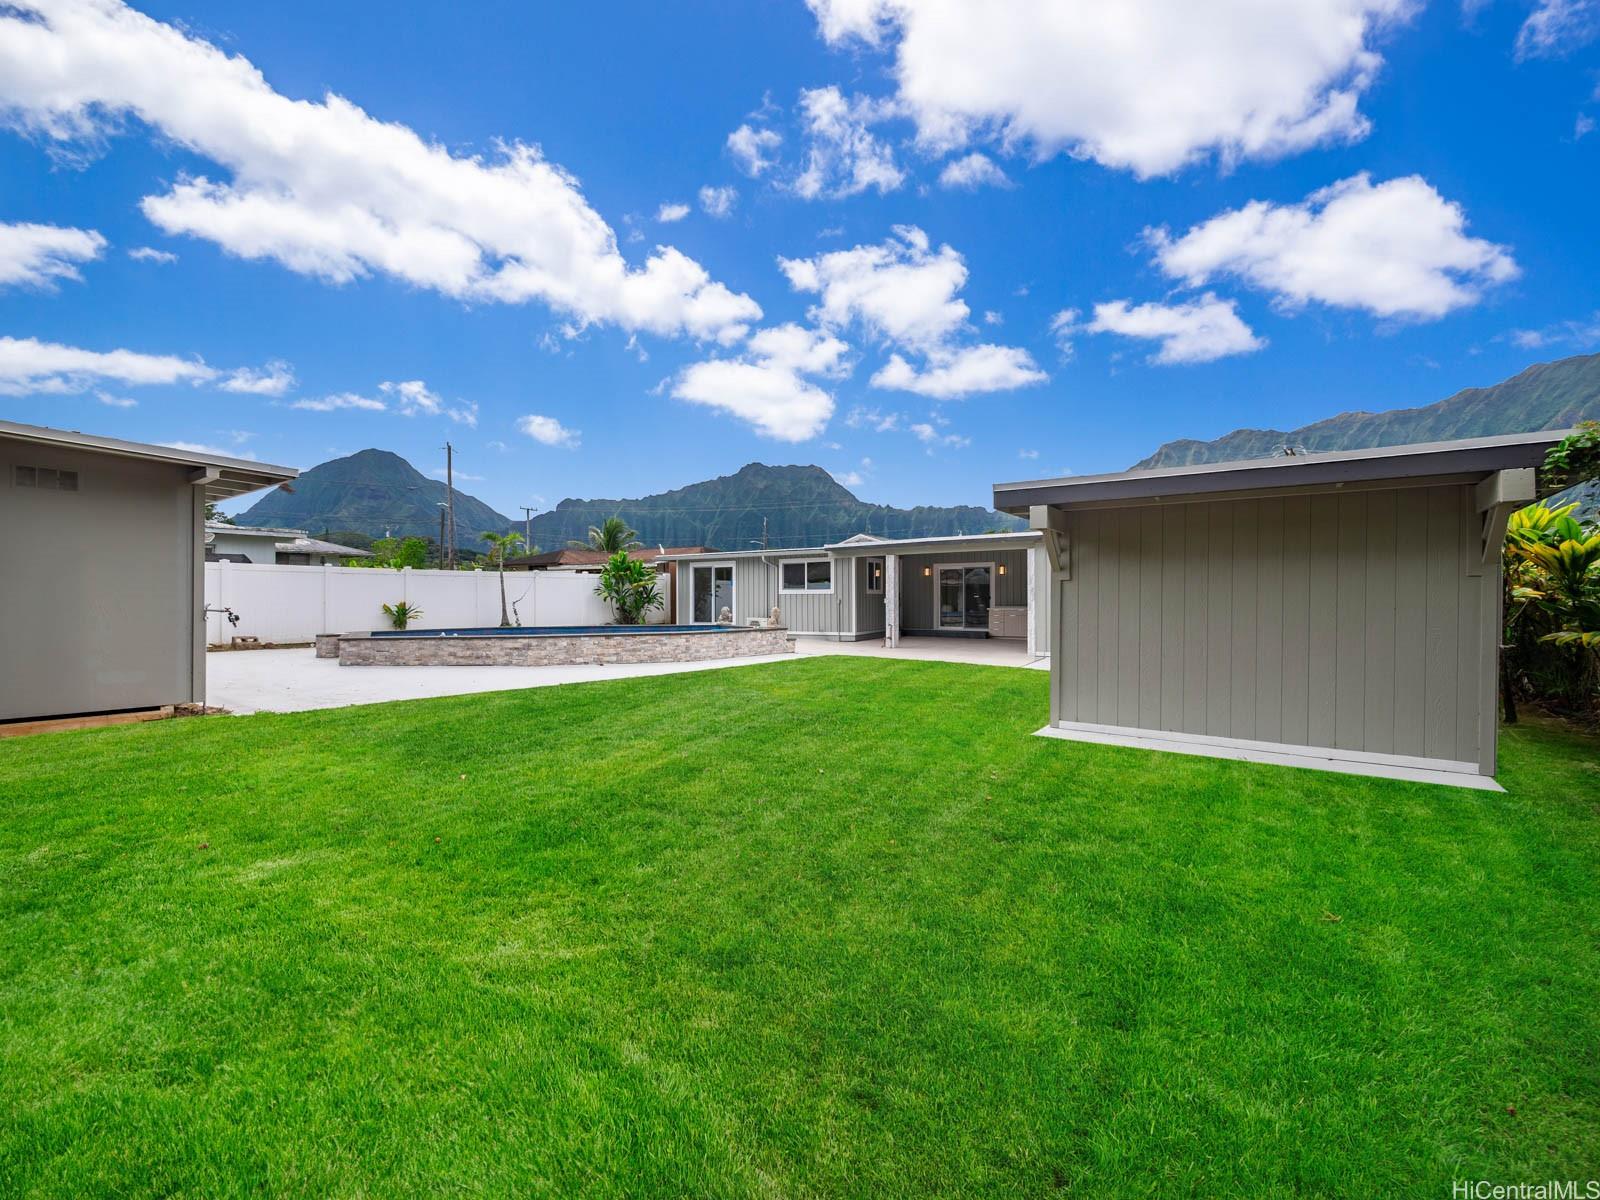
(574, 557)
(860, 539)
(214, 527)
(1471, 457)
(224, 477)
(311, 545)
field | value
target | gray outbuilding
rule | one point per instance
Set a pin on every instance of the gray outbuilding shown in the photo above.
(1337, 610)
(102, 569)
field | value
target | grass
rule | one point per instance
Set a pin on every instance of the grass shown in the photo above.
(831, 927)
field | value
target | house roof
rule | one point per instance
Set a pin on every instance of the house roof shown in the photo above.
(228, 476)
(311, 545)
(253, 530)
(574, 557)
(866, 544)
(1467, 460)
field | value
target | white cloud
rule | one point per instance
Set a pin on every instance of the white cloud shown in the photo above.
(327, 190)
(1397, 249)
(548, 431)
(275, 379)
(219, 451)
(1148, 85)
(668, 213)
(38, 255)
(1582, 127)
(1199, 331)
(111, 401)
(151, 254)
(718, 202)
(993, 318)
(752, 149)
(412, 398)
(906, 293)
(931, 437)
(848, 479)
(957, 374)
(901, 290)
(1556, 26)
(766, 387)
(341, 400)
(972, 172)
(1581, 333)
(29, 366)
(843, 156)
(1027, 454)
(1063, 326)
(873, 419)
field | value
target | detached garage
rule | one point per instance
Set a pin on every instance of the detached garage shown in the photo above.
(102, 563)
(1338, 610)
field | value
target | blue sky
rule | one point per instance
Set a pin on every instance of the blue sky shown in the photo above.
(927, 246)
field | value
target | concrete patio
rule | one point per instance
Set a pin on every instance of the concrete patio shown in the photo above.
(296, 681)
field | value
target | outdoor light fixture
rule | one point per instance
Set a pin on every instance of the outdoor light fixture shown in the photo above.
(1001, 569)
(926, 571)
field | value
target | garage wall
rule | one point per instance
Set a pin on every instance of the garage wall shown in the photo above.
(99, 595)
(1345, 620)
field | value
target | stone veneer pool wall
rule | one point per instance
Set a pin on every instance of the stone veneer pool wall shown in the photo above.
(546, 650)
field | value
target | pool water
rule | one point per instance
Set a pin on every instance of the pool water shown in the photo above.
(549, 631)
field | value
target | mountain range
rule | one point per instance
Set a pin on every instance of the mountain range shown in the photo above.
(1549, 395)
(378, 493)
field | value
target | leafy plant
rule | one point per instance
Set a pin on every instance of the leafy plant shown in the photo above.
(630, 587)
(501, 544)
(395, 554)
(610, 535)
(401, 614)
(1552, 568)
(1574, 459)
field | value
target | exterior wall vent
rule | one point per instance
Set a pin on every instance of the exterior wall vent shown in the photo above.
(47, 478)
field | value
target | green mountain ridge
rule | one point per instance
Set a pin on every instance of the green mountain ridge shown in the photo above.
(378, 493)
(1550, 395)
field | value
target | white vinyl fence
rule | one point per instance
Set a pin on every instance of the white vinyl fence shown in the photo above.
(294, 604)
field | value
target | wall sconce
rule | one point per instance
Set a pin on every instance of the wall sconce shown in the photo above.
(1001, 569)
(927, 572)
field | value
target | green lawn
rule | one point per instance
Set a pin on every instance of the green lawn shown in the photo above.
(830, 927)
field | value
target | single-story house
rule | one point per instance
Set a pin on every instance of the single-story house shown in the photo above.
(868, 588)
(589, 562)
(1337, 610)
(285, 547)
(103, 587)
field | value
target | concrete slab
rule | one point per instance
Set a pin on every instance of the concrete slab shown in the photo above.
(983, 652)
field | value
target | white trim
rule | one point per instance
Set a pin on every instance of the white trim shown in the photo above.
(959, 566)
(1317, 758)
(733, 584)
(883, 567)
(807, 591)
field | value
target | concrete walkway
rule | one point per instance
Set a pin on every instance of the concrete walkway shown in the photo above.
(247, 681)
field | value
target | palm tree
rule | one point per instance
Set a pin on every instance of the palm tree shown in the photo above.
(610, 536)
(502, 544)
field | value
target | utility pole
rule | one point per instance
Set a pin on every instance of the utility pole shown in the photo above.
(527, 528)
(763, 533)
(441, 535)
(450, 500)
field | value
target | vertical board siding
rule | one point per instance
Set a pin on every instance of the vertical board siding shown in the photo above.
(1338, 620)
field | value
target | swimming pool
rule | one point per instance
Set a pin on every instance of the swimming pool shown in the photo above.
(557, 645)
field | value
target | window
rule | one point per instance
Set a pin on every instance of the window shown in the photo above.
(47, 478)
(810, 575)
(875, 576)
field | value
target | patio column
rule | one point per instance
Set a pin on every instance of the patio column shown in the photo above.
(891, 600)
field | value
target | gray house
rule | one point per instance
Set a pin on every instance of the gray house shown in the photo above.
(283, 547)
(1337, 610)
(983, 585)
(102, 569)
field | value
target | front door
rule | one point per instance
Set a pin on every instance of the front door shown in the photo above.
(711, 589)
(964, 596)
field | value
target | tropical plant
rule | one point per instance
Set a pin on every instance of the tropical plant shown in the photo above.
(610, 535)
(630, 587)
(394, 554)
(401, 614)
(500, 545)
(1575, 459)
(1552, 569)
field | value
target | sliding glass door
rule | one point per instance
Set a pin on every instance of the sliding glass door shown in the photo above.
(964, 596)
(711, 588)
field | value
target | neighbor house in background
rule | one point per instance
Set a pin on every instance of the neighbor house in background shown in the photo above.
(101, 591)
(868, 588)
(285, 547)
(1338, 610)
(591, 561)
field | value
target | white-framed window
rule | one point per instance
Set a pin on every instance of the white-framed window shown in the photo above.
(874, 576)
(806, 575)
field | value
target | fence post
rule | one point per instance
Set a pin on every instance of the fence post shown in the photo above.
(327, 568)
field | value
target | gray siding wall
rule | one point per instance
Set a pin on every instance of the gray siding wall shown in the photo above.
(99, 588)
(919, 607)
(755, 591)
(1350, 621)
